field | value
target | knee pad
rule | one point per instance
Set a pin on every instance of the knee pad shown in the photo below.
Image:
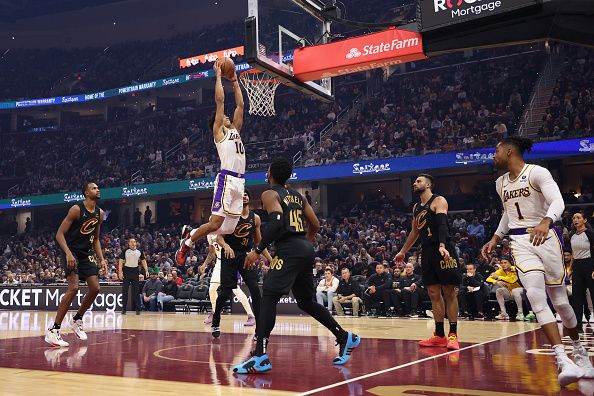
(538, 301)
(560, 301)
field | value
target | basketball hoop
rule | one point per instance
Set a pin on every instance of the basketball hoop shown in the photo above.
(260, 88)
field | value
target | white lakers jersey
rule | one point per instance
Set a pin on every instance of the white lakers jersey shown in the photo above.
(231, 151)
(522, 198)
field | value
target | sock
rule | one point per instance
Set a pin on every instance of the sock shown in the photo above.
(577, 345)
(559, 350)
(189, 242)
(439, 331)
(77, 317)
(454, 328)
(261, 345)
(56, 326)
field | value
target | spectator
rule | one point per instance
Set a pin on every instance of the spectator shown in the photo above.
(326, 289)
(10, 280)
(459, 223)
(472, 293)
(348, 291)
(148, 215)
(404, 294)
(376, 285)
(169, 292)
(506, 280)
(151, 289)
(28, 225)
(178, 280)
(137, 216)
(476, 230)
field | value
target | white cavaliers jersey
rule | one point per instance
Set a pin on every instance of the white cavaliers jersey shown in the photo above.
(522, 198)
(231, 151)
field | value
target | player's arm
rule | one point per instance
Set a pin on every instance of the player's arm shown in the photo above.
(97, 243)
(542, 180)
(210, 257)
(258, 238)
(71, 217)
(501, 231)
(238, 115)
(410, 240)
(229, 253)
(272, 206)
(440, 206)
(220, 104)
(312, 220)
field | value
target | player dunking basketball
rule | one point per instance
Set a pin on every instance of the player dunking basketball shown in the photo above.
(78, 236)
(439, 261)
(532, 203)
(230, 182)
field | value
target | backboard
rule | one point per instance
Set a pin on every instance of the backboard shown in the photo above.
(274, 28)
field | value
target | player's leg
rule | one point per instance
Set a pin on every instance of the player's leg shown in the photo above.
(450, 293)
(244, 301)
(250, 277)
(52, 335)
(223, 295)
(93, 290)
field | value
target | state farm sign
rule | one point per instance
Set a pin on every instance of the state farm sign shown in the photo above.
(211, 57)
(372, 51)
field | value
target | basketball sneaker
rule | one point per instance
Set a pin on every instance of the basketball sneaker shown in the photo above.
(208, 320)
(569, 372)
(580, 355)
(502, 316)
(186, 229)
(434, 342)
(54, 338)
(254, 365)
(520, 318)
(347, 345)
(182, 253)
(453, 344)
(215, 331)
(530, 317)
(251, 321)
(77, 327)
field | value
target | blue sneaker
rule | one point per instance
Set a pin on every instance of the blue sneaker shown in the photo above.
(346, 348)
(254, 365)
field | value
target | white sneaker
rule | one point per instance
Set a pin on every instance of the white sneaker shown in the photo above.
(569, 372)
(54, 338)
(520, 318)
(77, 327)
(429, 313)
(580, 355)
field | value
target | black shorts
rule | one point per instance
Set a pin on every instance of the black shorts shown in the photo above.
(292, 269)
(230, 268)
(85, 265)
(436, 271)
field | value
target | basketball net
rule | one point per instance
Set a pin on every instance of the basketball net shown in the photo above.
(260, 88)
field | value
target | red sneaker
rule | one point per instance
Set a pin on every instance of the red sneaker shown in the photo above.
(434, 342)
(453, 342)
(182, 253)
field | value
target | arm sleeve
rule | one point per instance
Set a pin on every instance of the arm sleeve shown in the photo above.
(271, 231)
(442, 229)
(542, 180)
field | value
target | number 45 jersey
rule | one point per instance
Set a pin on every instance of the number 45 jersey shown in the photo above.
(293, 218)
(522, 197)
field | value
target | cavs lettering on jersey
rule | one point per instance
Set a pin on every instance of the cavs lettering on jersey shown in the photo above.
(242, 239)
(231, 151)
(523, 201)
(81, 234)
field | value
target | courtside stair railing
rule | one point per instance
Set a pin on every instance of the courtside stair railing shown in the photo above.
(532, 116)
(344, 116)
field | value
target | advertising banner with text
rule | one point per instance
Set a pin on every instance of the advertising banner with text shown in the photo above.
(211, 57)
(357, 54)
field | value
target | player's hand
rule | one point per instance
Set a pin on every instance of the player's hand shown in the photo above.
(250, 260)
(70, 261)
(539, 233)
(488, 248)
(444, 253)
(399, 258)
(229, 253)
(121, 275)
(217, 68)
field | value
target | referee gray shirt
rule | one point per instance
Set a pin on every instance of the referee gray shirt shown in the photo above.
(132, 258)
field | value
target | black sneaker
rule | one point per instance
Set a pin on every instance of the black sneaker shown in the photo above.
(215, 331)
(123, 312)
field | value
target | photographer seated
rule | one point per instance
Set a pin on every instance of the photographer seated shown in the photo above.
(405, 292)
(472, 292)
(375, 287)
(347, 292)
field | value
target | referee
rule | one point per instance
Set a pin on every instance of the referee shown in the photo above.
(582, 278)
(128, 272)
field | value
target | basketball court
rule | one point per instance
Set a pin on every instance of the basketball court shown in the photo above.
(175, 354)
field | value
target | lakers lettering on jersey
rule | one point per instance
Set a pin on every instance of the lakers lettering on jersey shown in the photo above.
(231, 151)
(522, 197)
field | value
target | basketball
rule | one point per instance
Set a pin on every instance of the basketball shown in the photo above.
(227, 68)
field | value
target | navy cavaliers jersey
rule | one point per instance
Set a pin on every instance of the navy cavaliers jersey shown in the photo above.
(81, 234)
(426, 221)
(293, 218)
(242, 239)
